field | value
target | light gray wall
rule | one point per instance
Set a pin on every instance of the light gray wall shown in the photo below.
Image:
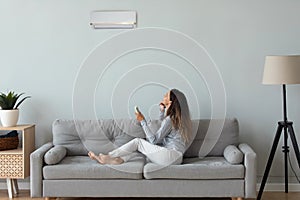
(44, 43)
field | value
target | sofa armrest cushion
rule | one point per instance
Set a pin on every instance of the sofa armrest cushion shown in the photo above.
(233, 155)
(55, 155)
(36, 170)
(250, 163)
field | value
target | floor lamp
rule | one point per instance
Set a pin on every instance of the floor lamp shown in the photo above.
(281, 70)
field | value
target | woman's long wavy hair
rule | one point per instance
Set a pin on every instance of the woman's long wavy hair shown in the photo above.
(180, 114)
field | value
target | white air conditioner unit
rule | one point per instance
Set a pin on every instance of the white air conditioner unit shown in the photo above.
(113, 19)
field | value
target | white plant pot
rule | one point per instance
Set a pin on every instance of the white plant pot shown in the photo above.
(9, 117)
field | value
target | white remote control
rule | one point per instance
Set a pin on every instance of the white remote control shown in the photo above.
(136, 109)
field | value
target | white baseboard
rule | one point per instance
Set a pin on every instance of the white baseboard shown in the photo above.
(279, 187)
(270, 187)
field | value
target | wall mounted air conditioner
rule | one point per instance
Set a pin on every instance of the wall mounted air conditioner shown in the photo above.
(113, 19)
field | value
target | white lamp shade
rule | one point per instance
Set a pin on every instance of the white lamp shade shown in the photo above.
(282, 70)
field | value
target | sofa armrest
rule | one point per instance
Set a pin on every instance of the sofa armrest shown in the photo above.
(36, 169)
(250, 170)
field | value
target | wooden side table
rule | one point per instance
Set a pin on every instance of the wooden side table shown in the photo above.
(15, 164)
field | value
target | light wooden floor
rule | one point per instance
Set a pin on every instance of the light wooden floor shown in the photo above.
(25, 195)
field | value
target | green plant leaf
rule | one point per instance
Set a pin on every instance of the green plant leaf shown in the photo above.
(14, 98)
(5, 102)
(22, 101)
(9, 100)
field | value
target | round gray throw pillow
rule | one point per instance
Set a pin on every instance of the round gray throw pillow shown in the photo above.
(55, 155)
(233, 155)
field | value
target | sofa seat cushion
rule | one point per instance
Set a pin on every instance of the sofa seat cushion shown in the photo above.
(82, 167)
(195, 168)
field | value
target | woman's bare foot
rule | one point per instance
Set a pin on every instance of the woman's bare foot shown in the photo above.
(106, 159)
(92, 155)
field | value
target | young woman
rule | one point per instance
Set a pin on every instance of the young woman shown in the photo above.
(164, 147)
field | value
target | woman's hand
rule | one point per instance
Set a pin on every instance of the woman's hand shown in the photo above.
(139, 116)
(162, 107)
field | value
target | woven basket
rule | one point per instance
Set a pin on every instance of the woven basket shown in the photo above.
(9, 143)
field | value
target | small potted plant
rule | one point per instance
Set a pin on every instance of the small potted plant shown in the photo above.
(9, 112)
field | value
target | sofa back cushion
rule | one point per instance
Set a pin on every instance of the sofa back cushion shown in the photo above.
(212, 136)
(102, 136)
(99, 136)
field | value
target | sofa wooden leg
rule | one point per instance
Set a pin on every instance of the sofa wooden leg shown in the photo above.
(237, 198)
(50, 198)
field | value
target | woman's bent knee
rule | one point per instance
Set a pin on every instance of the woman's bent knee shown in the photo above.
(137, 140)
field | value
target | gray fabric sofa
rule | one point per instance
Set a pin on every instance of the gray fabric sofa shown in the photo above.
(200, 175)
